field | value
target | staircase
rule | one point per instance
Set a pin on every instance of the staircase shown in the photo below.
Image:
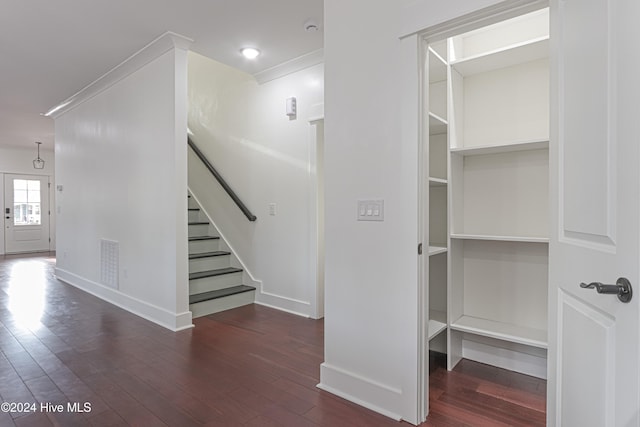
(215, 284)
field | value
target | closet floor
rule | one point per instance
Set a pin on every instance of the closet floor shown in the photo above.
(478, 395)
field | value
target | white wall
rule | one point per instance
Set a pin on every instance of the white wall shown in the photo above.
(20, 161)
(371, 151)
(265, 157)
(370, 267)
(121, 159)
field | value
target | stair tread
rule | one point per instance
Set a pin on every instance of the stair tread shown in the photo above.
(208, 254)
(211, 273)
(199, 223)
(193, 238)
(193, 209)
(206, 296)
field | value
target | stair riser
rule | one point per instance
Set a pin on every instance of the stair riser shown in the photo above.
(221, 304)
(200, 230)
(199, 246)
(210, 263)
(195, 216)
(214, 283)
(192, 204)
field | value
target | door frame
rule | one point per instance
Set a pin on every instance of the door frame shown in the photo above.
(316, 215)
(480, 18)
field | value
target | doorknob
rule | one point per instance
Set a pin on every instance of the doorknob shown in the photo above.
(622, 288)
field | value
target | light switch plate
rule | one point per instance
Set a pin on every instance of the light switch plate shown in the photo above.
(371, 210)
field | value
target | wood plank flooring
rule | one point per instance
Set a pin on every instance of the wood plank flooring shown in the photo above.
(252, 366)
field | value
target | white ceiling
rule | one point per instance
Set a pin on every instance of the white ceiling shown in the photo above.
(50, 49)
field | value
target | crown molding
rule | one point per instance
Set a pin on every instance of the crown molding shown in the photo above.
(148, 53)
(297, 64)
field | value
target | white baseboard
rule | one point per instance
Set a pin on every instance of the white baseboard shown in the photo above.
(378, 397)
(281, 309)
(158, 315)
(290, 305)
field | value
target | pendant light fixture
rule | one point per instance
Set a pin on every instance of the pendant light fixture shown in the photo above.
(38, 163)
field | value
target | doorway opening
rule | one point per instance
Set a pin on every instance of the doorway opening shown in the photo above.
(26, 213)
(484, 189)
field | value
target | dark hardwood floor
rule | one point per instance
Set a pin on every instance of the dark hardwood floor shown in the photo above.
(251, 366)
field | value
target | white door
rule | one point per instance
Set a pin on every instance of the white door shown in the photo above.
(26, 211)
(595, 187)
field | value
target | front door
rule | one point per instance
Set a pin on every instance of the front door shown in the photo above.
(595, 158)
(26, 218)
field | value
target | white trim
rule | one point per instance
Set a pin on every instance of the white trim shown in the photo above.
(279, 302)
(150, 52)
(155, 314)
(316, 113)
(297, 64)
(378, 397)
(316, 281)
(416, 55)
(468, 21)
(275, 307)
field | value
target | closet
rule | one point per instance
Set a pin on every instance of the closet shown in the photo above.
(488, 167)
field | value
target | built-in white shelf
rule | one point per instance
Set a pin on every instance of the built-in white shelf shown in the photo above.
(437, 125)
(501, 331)
(501, 148)
(497, 192)
(435, 250)
(437, 322)
(437, 67)
(523, 239)
(437, 182)
(507, 56)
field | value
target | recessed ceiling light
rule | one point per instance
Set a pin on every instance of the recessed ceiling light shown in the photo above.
(250, 52)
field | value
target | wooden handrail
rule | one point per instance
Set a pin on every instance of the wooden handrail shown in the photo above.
(220, 179)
